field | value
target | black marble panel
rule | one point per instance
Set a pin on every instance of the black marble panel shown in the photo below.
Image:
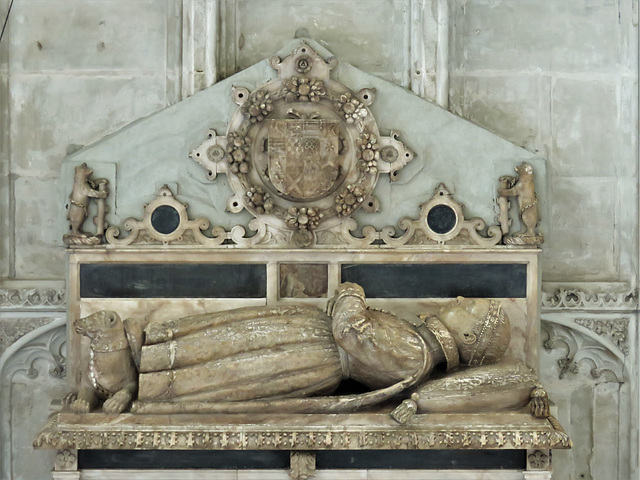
(168, 280)
(422, 459)
(183, 459)
(274, 459)
(438, 280)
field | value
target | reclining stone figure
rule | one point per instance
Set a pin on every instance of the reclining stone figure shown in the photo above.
(290, 358)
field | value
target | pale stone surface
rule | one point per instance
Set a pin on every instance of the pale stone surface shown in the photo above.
(581, 241)
(348, 30)
(45, 121)
(36, 232)
(63, 35)
(582, 147)
(515, 107)
(565, 36)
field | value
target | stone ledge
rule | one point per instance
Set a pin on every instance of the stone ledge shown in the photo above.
(369, 431)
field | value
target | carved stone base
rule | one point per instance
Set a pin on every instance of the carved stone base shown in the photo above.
(79, 240)
(524, 239)
(324, 474)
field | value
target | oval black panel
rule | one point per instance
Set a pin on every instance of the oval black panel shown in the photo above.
(165, 219)
(441, 219)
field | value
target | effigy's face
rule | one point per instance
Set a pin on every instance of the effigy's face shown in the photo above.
(461, 317)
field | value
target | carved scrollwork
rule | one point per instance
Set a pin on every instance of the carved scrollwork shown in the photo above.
(441, 220)
(166, 222)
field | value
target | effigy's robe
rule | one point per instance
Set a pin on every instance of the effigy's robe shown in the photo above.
(242, 354)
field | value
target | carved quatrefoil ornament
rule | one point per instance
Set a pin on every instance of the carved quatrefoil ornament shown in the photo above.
(302, 152)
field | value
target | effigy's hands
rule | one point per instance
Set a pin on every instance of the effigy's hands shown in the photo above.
(118, 403)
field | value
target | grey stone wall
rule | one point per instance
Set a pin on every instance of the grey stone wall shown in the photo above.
(559, 78)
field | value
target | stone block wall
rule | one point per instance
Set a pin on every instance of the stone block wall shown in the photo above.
(559, 78)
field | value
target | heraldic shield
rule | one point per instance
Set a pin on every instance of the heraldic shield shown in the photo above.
(303, 157)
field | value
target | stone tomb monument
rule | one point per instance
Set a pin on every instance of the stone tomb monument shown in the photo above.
(292, 316)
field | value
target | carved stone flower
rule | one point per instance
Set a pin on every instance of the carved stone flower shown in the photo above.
(367, 152)
(258, 106)
(237, 153)
(303, 218)
(260, 200)
(348, 200)
(304, 90)
(352, 108)
(303, 65)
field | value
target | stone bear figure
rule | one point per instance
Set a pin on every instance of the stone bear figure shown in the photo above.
(83, 189)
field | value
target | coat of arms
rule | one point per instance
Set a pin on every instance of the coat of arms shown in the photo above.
(303, 157)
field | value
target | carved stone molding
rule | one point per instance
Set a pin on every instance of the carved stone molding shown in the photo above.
(32, 298)
(11, 330)
(616, 330)
(579, 299)
(125, 432)
(42, 347)
(603, 362)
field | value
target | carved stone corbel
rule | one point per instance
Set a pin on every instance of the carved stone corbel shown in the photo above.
(303, 465)
(538, 459)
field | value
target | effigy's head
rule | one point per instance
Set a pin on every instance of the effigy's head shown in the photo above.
(480, 329)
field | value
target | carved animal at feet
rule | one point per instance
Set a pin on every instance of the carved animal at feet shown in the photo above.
(83, 189)
(524, 190)
(111, 374)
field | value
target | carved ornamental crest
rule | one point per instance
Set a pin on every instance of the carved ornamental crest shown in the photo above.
(302, 152)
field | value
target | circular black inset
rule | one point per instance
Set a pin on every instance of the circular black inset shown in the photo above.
(441, 219)
(165, 219)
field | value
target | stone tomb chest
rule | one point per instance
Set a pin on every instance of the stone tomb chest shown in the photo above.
(324, 294)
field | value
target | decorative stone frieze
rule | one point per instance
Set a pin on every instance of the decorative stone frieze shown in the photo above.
(579, 299)
(338, 432)
(32, 298)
